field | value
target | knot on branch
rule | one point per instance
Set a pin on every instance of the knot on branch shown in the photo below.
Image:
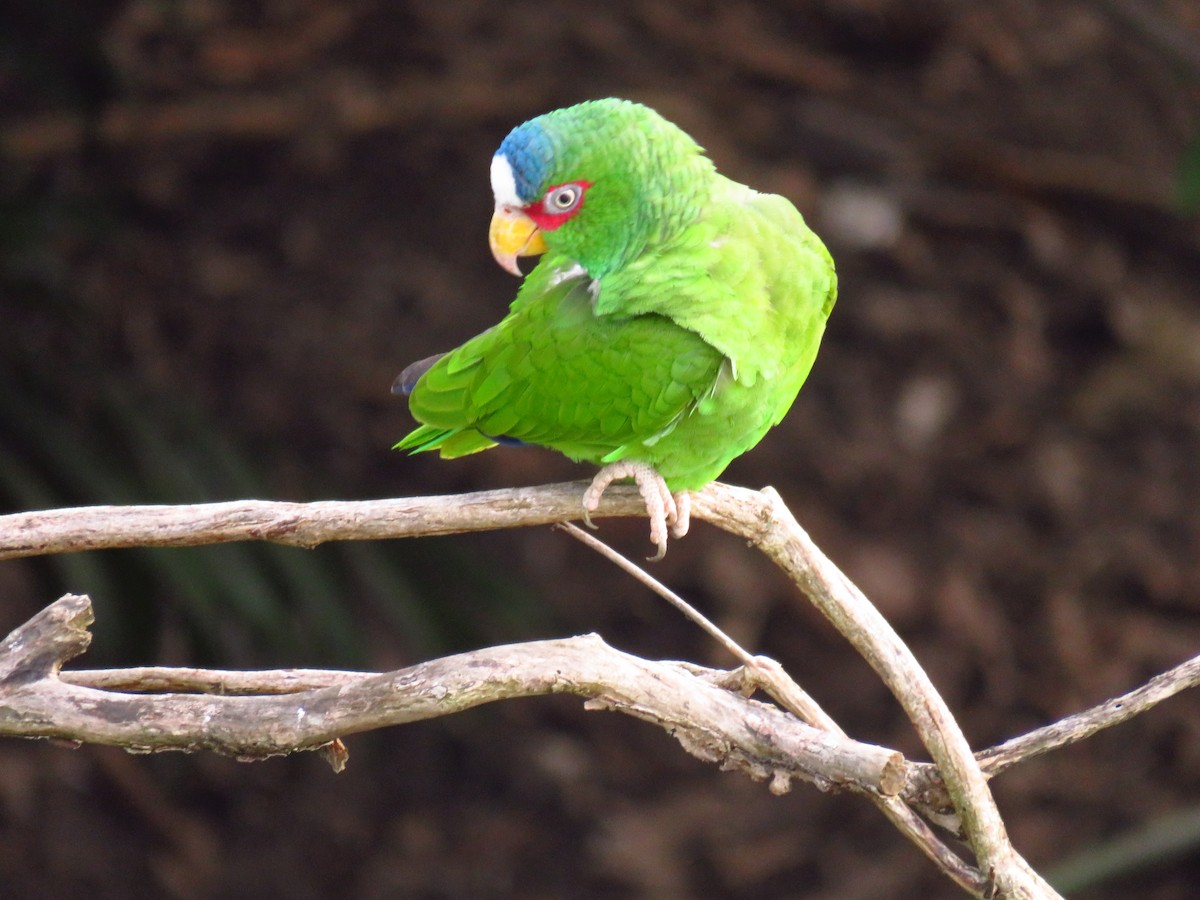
(38, 649)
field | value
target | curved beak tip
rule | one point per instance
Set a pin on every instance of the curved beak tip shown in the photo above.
(513, 234)
(507, 260)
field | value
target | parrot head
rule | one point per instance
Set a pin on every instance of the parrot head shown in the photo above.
(597, 182)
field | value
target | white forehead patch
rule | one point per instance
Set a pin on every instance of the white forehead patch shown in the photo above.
(504, 185)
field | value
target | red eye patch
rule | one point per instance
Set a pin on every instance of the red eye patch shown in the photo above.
(559, 204)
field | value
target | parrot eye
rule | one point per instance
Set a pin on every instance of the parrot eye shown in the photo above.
(563, 199)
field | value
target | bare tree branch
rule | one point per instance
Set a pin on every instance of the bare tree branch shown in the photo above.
(771, 527)
(767, 674)
(877, 774)
(298, 524)
(927, 791)
(713, 724)
(304, 709)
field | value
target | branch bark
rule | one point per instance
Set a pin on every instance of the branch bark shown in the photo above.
(305, 710)
(282, 712)
(774, 531)
(298, 524)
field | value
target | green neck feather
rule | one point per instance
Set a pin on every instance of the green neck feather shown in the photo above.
(649, 181)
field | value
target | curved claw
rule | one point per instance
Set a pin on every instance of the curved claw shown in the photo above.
(665, 510)
(587, 519)
(662, 552)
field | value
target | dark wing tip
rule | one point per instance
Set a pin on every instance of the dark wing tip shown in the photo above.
(507, 441)
(407, 380)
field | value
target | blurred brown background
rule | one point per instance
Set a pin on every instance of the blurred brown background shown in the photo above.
(225, 227)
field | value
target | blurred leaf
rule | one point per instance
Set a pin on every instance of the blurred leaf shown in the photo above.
(137, 453)
(1189, 178)
(1153, 843)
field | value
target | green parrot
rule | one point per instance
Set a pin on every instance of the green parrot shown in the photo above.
(669, 324)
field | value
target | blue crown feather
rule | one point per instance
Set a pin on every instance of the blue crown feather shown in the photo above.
(530, 152)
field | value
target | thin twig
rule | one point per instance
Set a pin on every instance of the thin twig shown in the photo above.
(639, 574)
(1084, 724)
(761, 671)
(771, 677)
(925, 787)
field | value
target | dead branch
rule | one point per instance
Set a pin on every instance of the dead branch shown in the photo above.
(289, 712)
(261, 714)
(298, 524)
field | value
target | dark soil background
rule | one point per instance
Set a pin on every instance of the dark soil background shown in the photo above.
(226, 227)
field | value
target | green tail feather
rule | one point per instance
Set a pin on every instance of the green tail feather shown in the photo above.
(451, 444)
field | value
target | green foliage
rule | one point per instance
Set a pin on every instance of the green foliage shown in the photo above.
(1189, 178)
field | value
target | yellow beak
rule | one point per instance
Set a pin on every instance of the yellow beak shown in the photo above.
(513, 234)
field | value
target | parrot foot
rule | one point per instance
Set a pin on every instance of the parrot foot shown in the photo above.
(663, 508)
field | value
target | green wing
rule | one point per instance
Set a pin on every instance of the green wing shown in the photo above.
(556, 374)
(751, 279)
(766, 289)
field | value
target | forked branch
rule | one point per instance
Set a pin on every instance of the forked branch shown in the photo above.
(261, 714)
(251, 715)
